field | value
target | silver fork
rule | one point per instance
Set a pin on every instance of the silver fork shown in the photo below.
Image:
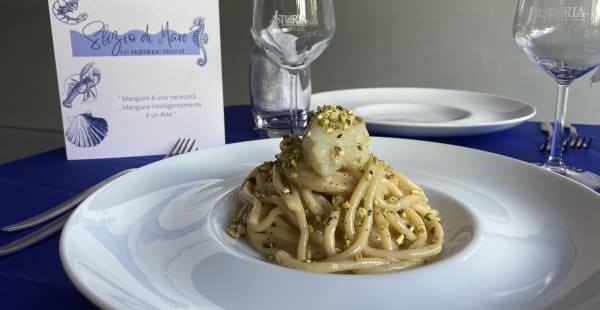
(61, 212)
(576, 140)
(581, 142)
(570, 141)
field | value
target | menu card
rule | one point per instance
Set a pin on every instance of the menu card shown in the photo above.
(135, 75)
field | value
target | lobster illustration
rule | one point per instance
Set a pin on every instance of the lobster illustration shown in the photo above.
(83, 84)
(200, 38)
(63, 8)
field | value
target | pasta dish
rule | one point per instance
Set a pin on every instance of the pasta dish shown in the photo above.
(325, 204)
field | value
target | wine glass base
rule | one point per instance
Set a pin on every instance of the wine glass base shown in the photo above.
(272, 133)
(582, 176)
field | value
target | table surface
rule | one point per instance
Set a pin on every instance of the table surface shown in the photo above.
(35, 277)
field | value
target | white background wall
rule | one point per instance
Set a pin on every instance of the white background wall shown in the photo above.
(459, 44)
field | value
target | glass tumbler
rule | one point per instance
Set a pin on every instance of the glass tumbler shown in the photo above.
(270, 96)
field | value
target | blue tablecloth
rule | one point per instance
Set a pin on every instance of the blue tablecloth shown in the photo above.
(34, 278)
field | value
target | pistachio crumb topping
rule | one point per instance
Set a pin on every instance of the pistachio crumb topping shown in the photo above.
(335, 118)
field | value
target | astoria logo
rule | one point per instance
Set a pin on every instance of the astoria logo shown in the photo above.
(564, 12)
(290, 20)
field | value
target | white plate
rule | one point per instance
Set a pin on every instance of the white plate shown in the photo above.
(426, 112)
(518, 237)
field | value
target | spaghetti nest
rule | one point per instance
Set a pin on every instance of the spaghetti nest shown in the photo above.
(357, 214)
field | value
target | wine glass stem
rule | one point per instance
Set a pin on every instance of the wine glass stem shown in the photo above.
(555, 161)
(294, 102)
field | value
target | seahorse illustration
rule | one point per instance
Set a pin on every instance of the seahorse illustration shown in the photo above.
(63, 8)
(200, 38)
(83, 84)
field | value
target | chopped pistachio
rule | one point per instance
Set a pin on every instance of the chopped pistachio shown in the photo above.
(363, 168)
(362, 211)
(232, 231)
(400, 239)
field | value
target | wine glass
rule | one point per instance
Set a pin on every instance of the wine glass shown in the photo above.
(293, 33)
(563, 38)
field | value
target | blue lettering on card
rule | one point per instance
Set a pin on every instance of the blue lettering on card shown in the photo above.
(98, 39)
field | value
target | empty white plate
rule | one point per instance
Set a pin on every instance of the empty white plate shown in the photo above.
(426, 112)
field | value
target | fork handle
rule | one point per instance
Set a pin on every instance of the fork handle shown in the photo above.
(69, 204)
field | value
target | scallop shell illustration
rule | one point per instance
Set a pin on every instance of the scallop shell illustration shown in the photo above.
(86, 130)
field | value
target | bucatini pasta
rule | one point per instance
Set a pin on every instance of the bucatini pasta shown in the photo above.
(326, 205)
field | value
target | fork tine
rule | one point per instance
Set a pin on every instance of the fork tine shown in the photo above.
(174, 148)
(586, 142)
(579, 142)
(191, 146)
(183, 147)
(573, 141)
